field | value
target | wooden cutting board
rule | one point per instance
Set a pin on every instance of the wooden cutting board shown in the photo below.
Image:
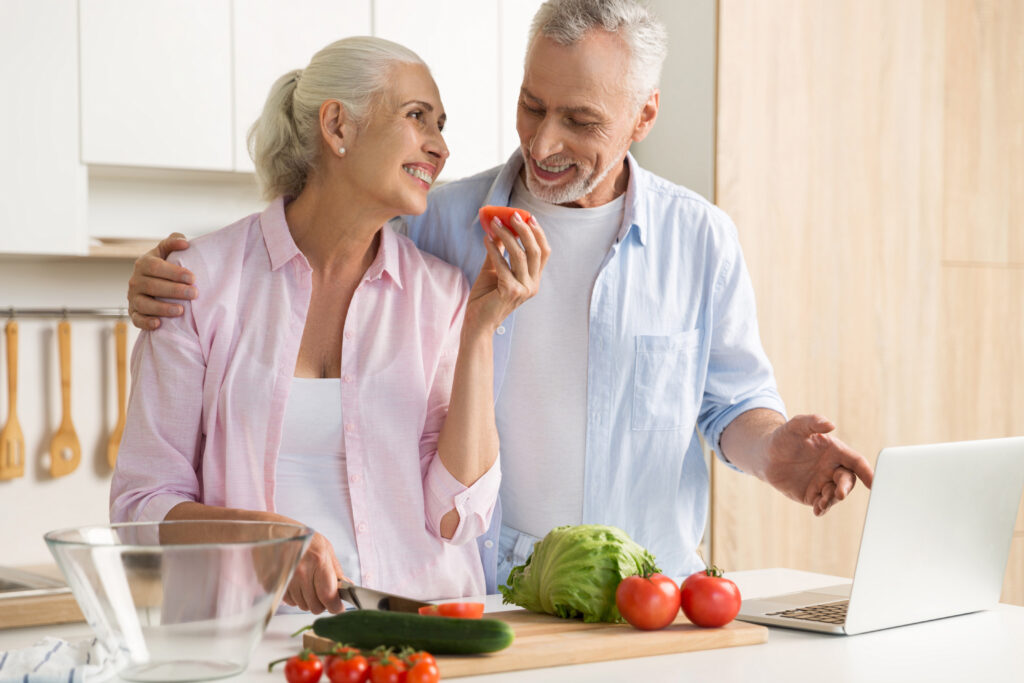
(543, 641)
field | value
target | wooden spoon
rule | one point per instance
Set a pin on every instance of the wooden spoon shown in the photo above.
(12, 441)
(121, 344)
(65, 451)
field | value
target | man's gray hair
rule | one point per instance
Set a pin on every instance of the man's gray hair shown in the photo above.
(567, 21)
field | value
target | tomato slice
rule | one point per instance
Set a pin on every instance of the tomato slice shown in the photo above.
(504, 214)
(458, 610)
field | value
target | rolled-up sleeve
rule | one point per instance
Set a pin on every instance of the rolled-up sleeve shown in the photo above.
(739, 377)
(161, 449)
(441, 490)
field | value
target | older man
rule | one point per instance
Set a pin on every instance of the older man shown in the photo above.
(644, 332)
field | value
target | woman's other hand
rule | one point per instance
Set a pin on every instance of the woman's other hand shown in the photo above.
(502, 286)
(154, 277)
(314, 585)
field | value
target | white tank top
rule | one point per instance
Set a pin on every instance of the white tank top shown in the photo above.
(311, 479)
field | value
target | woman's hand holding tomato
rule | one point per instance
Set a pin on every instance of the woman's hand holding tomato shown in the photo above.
(648, 603)
(709, 599)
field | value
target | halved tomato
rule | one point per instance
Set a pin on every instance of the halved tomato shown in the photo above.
(459, 610)
(504, 214)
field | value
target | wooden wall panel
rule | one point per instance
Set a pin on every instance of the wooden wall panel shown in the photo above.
(984, 142)
(868, 153)
(829, 164)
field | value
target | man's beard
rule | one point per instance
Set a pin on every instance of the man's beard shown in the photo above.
(581, 185)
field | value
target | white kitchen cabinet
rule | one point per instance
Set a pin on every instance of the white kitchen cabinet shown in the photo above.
(458, 39)
(514, 19)
(272, 37)
(43, 184)
(157, 83)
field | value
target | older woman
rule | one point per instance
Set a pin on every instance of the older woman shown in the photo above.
(330, 373)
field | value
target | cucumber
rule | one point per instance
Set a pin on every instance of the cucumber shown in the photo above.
(367, 629)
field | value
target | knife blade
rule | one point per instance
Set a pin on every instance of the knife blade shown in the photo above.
(368, 598)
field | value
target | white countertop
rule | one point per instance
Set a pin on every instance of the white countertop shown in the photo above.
(984, 646)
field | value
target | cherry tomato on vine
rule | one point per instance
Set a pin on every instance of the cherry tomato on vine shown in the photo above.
(416, 657)
(389, 669)
(304, 667)
(460, 610)
(423, 671)
(354, 669)
(648, 603)
(339, 651)
(708, 599)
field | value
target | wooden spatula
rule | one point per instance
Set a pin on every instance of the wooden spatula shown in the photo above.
(12, 441)
(121, 344)
(65, 451)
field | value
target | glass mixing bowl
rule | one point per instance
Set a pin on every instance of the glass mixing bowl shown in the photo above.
(183, 600)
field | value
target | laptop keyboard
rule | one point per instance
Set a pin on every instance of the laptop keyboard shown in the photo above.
(827, 613)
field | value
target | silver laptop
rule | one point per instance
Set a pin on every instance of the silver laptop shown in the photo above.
(936, 539)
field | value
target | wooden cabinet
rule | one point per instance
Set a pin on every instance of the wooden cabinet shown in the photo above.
(157, 83)
(44, 185)
(273, 37)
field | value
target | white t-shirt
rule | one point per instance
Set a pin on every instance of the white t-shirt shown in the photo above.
(311, 482)
(542, 408)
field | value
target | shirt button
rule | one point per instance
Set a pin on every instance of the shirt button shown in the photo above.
(348, 335)
(366, 577)
(350, 428)
(347, 378)
(362, 527)
(355, 478)
(501, 329)
(488, 544)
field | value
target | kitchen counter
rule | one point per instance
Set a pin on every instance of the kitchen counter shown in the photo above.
(981, 646)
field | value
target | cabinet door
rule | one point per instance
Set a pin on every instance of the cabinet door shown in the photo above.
(271, 38)
(156, 83)
(458, 39)
(43, 183)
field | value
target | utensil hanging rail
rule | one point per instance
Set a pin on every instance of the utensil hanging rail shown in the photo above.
(13, 312)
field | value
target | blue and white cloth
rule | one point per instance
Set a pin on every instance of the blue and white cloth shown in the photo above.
(53, 660)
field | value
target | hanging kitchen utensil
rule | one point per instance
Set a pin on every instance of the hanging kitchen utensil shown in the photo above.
(65, 451)
(121, 345)
(12, 441)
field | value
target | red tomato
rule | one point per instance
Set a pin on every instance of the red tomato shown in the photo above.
(339, 651)
(459, 610)
(389, 669)
(417, 657)
(648, 603)
(709, 599)
(304, 667)
(352, 670)
(423, 672)
(503, 213)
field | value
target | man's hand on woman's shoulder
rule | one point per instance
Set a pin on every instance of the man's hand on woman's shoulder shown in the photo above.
(154, 277)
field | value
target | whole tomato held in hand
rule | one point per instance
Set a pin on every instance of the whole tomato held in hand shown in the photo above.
(648, 603)
(709, 599)
(304, 667)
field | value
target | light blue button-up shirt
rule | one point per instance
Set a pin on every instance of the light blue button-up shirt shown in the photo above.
(673, 348)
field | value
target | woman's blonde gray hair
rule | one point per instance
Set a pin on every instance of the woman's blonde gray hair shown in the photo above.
(285, 140)
(567, 21)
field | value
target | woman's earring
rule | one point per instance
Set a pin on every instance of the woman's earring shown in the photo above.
(341, 151)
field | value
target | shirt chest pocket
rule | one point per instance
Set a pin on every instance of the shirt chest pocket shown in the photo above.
(664, 381)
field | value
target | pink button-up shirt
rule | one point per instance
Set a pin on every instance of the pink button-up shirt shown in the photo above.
(209, 390)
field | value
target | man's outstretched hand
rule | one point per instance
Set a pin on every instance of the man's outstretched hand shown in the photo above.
(808, 464)
(801, 458)
(154, 277)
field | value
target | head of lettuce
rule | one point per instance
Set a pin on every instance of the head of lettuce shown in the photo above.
(574, 571)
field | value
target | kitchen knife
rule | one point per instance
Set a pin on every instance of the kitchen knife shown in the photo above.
(367, 598)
